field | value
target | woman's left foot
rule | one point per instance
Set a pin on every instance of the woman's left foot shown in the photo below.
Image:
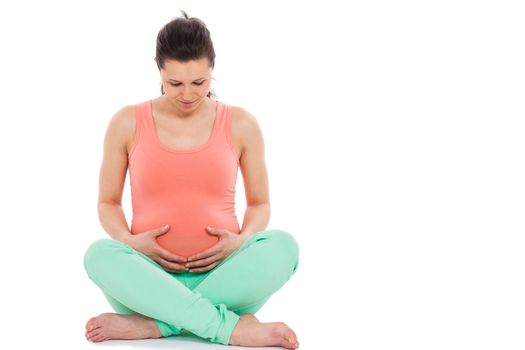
(116, 326)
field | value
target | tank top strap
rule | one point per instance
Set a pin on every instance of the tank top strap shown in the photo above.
(224, 115)
(141, 125)
(224, 120)
(146, 120)
(221, 107)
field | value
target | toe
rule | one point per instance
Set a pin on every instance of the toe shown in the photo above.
(288, 345)
(93, 334)
(91, 324)
(291, 337)
(98, 338)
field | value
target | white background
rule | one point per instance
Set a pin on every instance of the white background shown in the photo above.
(394, 143)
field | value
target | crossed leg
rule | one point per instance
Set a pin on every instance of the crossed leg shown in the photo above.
(207, 304)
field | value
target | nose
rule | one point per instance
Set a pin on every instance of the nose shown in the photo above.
(186, 93)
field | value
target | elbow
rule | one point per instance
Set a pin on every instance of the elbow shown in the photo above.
(105, 204)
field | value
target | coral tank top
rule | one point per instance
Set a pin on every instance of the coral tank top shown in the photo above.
(187, 189)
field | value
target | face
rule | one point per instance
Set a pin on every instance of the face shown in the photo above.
(186, 84)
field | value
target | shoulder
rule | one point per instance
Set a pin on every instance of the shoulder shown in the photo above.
(122, 125)
(246, 130)
(124, 115)
(244, 121)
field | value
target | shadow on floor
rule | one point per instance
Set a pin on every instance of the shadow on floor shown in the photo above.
(184, 341)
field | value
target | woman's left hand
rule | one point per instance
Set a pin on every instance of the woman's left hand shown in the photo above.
(208, 259)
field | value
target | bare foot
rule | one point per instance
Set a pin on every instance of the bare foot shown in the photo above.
(250, 332)
(115, 326)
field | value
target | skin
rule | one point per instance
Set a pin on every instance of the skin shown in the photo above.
(182, 126)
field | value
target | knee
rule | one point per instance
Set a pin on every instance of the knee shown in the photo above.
(285, 242)
(98, 252)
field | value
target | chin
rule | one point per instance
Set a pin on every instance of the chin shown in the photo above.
(191, 107)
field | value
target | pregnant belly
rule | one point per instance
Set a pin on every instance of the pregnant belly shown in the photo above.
(186, 236)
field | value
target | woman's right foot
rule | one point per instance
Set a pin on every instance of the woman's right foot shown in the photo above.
(250, 332)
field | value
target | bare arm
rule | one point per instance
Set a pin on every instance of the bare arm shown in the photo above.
(113, 175)
(256, 218)
(113, 220)
(255, 176)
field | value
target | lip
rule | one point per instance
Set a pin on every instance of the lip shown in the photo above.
(187, 104)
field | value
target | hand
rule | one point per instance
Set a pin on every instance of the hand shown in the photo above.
(208, 259)
(146, 243)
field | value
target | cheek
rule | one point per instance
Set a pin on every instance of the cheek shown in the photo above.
(204, 89)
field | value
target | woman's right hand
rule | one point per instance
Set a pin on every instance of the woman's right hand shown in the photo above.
(146, 243)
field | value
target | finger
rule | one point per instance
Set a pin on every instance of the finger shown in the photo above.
(213, 231)
(169, 266)
(159, 231)
(207, 268)
(217, 231)
(202, 262)
(167, 255)
(203, 255)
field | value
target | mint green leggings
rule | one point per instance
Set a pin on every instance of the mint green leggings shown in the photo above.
(206, 304)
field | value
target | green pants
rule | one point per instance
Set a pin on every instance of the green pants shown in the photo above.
(206, 304)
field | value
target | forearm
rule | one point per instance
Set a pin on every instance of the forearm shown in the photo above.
(256, 218)
(113, 220)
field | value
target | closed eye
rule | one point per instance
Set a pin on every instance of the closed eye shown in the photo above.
(195, 83)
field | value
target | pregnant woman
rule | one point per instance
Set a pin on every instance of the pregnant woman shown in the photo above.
(185, 264)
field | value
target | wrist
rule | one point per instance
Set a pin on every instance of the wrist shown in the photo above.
(246, 234)
(125, 237)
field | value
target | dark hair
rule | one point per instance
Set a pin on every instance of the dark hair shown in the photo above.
(184, 39)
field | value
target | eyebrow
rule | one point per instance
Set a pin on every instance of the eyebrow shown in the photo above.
(176, 81)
